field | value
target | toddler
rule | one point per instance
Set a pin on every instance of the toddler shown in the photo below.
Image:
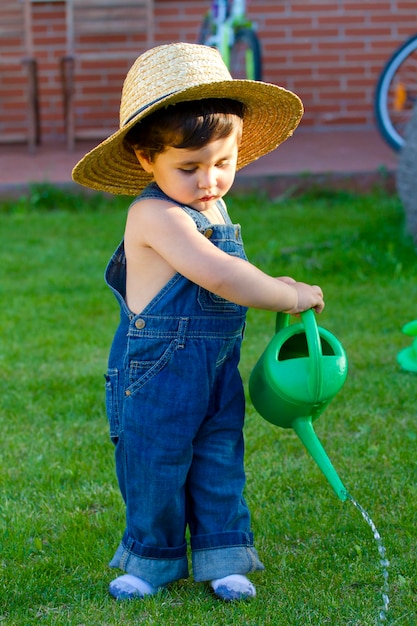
(174, 396)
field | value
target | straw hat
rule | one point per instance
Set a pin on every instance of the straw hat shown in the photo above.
(180, 72)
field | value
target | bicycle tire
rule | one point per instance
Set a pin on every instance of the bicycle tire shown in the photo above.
(396, 93)
(245, 55)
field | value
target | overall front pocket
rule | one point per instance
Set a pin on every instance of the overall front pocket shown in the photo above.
(142, 371)
(212, 303)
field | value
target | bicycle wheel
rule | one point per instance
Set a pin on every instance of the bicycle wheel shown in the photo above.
(245, 55)
(396, 93)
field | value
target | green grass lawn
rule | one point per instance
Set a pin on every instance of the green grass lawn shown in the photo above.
(61, 515)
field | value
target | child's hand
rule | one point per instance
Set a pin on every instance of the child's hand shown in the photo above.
(309, 297)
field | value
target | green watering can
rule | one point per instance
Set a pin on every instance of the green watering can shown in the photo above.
(301, 370)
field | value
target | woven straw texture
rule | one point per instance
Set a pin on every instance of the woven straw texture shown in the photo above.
(176, 73)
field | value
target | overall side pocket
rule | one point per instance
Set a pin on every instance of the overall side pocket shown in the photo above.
(112, 403)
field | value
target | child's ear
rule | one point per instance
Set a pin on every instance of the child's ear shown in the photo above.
(144, 160)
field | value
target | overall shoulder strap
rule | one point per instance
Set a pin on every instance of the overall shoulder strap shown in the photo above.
(221, 205)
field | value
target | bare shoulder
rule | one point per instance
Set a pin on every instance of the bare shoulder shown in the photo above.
(149, 216)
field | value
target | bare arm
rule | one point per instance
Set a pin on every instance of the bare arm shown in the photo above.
(171, 234)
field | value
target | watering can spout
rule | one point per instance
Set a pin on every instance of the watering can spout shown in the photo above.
(300, 371)
(303, 426)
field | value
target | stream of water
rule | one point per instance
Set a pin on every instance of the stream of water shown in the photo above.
(384, 562)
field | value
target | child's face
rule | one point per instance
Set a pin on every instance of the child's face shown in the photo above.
(198, 177)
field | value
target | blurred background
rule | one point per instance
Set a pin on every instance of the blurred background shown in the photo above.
(329, 53)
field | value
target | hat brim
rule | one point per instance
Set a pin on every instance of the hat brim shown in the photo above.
(272, 113)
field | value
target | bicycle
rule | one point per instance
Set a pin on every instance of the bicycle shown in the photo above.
(396, 93)
(227, 28)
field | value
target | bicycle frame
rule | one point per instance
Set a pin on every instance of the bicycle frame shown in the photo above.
(227, 28)
(227, 16)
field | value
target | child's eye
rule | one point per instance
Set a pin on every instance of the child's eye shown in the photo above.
(188, 171)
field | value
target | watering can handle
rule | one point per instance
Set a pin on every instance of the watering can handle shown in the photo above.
(282, 321)
(314, 346)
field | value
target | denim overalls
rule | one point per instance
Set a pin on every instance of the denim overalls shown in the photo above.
(175, 404)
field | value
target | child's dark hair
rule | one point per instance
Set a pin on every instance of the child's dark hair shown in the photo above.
(185, 125)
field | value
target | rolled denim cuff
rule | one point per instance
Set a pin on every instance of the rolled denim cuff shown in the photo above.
(158, 566)
(223, 554)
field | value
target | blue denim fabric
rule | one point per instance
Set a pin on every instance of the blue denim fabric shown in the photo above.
(175, 405)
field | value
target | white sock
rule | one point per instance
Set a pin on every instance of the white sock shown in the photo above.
(128, 586)
(233, 587)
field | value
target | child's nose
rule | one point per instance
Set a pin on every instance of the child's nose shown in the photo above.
(207, 179)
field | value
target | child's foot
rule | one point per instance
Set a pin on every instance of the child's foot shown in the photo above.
(127, 587)
(234, 587)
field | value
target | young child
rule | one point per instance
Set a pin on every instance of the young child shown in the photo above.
(174, 395)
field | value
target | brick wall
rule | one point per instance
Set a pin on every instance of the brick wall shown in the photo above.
(330, 53)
